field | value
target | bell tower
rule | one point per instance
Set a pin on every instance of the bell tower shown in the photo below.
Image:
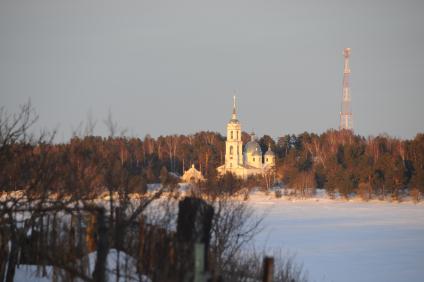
(233, 145)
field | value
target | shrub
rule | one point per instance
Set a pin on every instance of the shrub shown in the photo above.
(278, 193)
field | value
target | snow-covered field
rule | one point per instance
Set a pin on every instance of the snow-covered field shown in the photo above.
(346, 241)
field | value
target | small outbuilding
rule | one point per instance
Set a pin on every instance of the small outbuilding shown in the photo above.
(192, 175)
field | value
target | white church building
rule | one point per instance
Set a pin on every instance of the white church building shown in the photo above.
(251, 161)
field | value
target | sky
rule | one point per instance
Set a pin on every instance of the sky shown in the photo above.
(172, 67)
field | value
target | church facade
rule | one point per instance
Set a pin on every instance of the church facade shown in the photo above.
(192, 175)
(249, 161)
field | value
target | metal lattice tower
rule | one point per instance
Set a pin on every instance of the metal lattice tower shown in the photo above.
(346, 118)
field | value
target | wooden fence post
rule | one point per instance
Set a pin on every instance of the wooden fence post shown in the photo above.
(4, 250)
(99, 274)
(268, 269)
(193, 233)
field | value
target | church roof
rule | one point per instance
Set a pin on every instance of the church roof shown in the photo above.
(234, 114)
(253, 147)
(269, 152)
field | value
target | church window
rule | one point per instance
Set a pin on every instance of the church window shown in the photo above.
(232, 135)
(253, 159)
(231, 150)
(237, 135)
(267, 159)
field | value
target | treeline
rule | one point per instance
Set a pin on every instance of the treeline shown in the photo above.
(337, 161)
(342, 162)
(92, 163)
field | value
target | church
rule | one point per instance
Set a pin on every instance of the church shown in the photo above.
(251, 161)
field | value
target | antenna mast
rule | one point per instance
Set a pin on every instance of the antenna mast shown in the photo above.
(346, 117)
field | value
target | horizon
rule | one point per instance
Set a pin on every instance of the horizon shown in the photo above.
(79, 131)
(164, 68)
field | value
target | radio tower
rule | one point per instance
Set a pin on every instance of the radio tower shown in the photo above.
(346, 118)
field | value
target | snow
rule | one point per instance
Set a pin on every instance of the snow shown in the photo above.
(127, 265)
(29, 273)
(339, 240)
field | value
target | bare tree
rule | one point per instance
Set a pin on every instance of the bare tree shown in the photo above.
(90, 124)
(111, 125)
(234, 225)
(14, 127)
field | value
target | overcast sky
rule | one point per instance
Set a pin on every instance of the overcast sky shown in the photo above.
(165, 67)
